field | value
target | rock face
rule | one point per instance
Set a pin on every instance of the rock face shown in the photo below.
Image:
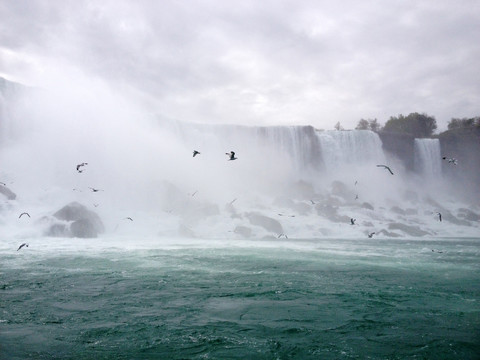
(266, 222)
(76, 221)
(9, 194)
(409, 230)
(400, 145)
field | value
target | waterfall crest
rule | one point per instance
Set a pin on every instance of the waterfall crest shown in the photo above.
(344, 148)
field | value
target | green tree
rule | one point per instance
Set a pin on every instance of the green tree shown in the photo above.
(374, 125)
(418, 125)
(368, 124)
(463, 123)
(338, 126)
(362, 125)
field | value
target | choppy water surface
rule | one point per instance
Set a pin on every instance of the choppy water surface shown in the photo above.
(269, 299)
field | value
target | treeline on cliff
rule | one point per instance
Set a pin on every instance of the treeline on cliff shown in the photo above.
(419, 125)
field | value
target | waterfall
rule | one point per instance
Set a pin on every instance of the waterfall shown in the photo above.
(345, 148)
(297, 145)
(427, 157)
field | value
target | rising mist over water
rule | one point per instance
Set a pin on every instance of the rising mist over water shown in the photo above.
(205, 257)
(307, 182)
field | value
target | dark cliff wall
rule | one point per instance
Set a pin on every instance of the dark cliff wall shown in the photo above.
(401, 146)
(463, 145)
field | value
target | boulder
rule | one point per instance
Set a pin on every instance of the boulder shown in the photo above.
(266, 222)
(75, 220)
(243, 231)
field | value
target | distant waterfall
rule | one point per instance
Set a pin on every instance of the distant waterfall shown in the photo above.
(427, 157)
(297, 144)
(340, 148)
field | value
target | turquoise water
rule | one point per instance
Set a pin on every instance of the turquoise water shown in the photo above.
(269, 299)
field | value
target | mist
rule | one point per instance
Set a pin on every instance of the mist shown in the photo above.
(286, 179)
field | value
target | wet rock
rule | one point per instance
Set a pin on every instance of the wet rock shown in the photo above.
(266, 222)
(468, 214)
(448, 216)
(388, 233)
(330, 212)
(367, 205)
(243, 231)
(75, 220)
(9, 194)
(407, 229)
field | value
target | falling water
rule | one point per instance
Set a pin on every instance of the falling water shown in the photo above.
(344, 148)
(427, 158)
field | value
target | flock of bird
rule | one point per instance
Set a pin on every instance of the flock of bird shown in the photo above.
(231, 156)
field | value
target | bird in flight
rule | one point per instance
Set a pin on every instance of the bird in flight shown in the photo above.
(371, 234)
(450, 160)
(352, 221)
(24, 213)
(129, 218)
(440, 216)
(231, 155)
(2, 183)
(279, 236)
(21, 246)
(95, 190)
(386, 167)
(80, 165)
(195, 153)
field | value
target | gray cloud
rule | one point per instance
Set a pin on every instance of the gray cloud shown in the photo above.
(269, 62)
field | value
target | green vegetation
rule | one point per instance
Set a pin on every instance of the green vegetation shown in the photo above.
(369, 124)
(464, 123)
(415, 124)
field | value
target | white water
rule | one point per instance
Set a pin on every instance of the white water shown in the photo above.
(350, 148)
(427, 160)
(146, 168)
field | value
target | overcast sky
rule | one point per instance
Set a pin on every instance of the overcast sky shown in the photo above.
(257, 62)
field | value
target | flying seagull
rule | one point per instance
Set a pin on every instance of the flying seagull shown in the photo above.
(24, 213)
(371, 234)
(313, 202)
(450, 160)
(386, 167)
(129, 218)
(95, 190)
(2, 183)
(286, 215)
(439, 216)
(24, 244)
(232, 155)
(195, 152)
(279, 236)
(356, 182)
(352, 221)
(356, 197)
(80, 165)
